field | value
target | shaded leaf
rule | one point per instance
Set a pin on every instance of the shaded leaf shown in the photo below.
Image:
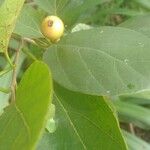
(68, 10)
(82, 123)
(29, 22)
(101, 61)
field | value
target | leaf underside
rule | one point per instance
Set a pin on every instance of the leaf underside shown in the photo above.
(94, 62)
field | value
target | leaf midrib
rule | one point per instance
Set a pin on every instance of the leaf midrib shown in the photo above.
(71, 123)
(100, 51)
(83, 116)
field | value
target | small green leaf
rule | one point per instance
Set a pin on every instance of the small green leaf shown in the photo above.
(23, 122)
(83, 122)
(9, 11)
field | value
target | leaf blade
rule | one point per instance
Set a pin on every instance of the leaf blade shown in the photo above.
(30, 107)
(101, 65)
(30, 28)
(10, 10)
(81, 123)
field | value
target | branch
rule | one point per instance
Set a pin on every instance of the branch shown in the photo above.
(30, 41)
(14, 75)
(131, 127)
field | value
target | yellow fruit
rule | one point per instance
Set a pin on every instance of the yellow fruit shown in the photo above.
(52, 28)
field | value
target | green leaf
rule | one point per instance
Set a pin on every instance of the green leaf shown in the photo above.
(135, 143)
(23, 122)
(83, 122)
(68, 10)
(133, 113)
(101, 61)
(140, 24)
(15, 134)
(29, 22)
(141, 98)
(9, 11)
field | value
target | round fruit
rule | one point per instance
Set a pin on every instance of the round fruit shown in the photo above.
(52, 28)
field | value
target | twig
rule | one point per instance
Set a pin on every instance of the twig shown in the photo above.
(29, 40)
(131, 127)
(8, 59)
(14, 76)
